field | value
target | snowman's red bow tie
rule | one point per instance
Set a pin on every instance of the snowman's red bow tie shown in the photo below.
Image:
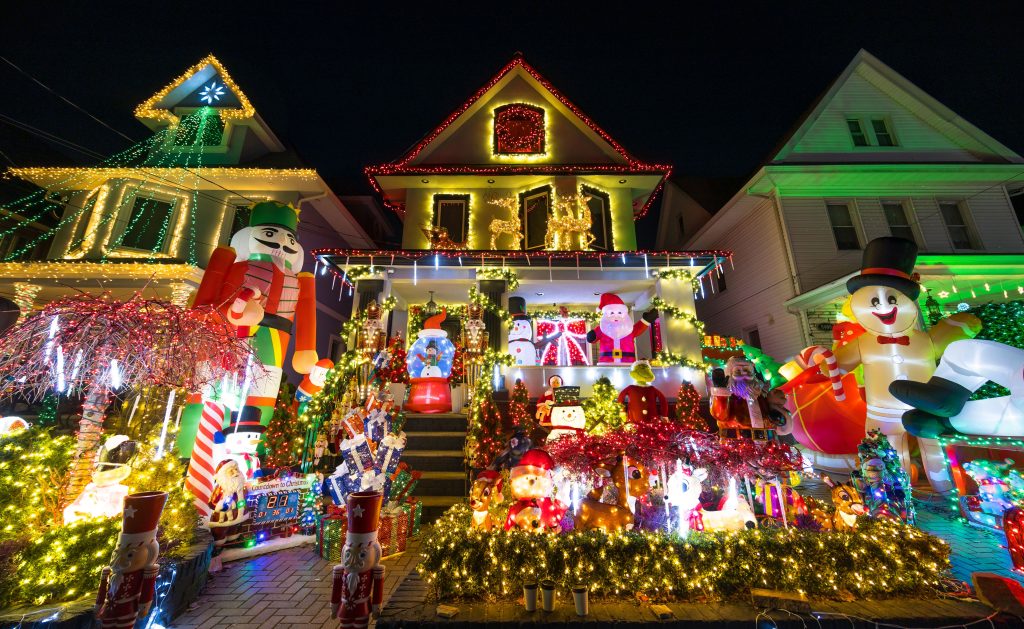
(898, 340)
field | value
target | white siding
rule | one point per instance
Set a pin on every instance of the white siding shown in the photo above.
(818, 259)
(757, 288)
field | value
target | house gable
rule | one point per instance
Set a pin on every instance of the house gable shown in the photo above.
(921, 128)
(208, 84)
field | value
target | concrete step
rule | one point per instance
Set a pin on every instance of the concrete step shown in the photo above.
(435, 440)
(434, 460)
(445, 422)
(441, 484)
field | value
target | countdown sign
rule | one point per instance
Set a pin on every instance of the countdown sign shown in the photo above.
(274, 502)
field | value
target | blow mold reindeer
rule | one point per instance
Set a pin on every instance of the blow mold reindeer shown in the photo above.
(628, 479)
(486, 491)
(848, 503)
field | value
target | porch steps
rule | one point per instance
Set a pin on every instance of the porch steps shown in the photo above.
(434, 447)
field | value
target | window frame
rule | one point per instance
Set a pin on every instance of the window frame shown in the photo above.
(887, 123)
(524, 197)
(863, 132)
(972, 234)
(179, 207)
(438, 199)
(172, 138)
(858, 232)
(496, 143)
(866, 122)
(607, 222)
(908, 214)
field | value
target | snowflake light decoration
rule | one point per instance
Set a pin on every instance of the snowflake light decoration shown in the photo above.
(211, 93)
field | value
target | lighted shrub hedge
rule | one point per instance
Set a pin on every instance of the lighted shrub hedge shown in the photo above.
(882, 558)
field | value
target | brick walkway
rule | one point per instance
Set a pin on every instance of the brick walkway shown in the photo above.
(286, 589)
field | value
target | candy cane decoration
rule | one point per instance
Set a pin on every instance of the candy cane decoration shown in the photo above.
(199, 479)
(815, 356)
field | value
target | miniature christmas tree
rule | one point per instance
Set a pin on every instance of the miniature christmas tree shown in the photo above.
(488, 439)
(395, 370)
(602, 408)
(518, 409)
(283, 439)
(688, 408)
(458, 374)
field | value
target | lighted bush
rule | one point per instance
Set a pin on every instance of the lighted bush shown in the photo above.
(33, 481)
(882, 558)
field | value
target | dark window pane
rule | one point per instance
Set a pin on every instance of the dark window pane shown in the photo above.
(754, 338)
(882, 134)
(902, 231)
(951, 213)
(147, 224)
(452, 214)
(720, 284)
(857, 132)
(956, 226)
(960, 238)
(534, 206)
(896, 217)
(839, 215)
(600, 220)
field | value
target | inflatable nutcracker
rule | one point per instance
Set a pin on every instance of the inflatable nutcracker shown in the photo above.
(642, 400)
(312, 383)
(358, 582)
(266, 297)
(616, 332)
(739, 402)
(127, 586)
(892, 346)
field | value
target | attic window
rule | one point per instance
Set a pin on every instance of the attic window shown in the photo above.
(857, 132)
(518, 130)
(870, 131)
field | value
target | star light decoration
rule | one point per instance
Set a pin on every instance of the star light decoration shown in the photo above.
(211, 93)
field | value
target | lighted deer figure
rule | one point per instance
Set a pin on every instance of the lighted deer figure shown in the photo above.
(511, 226)
(486, 490)
(848, 504)
(570, 216)
(595, 514)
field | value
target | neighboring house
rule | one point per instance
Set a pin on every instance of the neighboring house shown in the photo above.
(149, 218)
(874, 156)
(687, 203)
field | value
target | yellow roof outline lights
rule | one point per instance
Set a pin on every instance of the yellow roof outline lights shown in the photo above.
(57, 270)
(45, 175)
(207, 68)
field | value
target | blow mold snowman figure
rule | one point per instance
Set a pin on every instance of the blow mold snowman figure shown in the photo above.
(520, 334)
(893, 347)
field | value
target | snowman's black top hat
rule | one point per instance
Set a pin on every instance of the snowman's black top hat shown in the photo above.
(517, 308)
(888, 261)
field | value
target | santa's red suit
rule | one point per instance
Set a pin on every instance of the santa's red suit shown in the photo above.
(358, 583)
(643, 402)
(127, 587)
(615, 350)
(536, 513)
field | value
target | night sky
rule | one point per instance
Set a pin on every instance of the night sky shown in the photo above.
(710, 92)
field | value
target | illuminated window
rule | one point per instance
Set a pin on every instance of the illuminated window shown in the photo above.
(600, 207)
(534, 207)
(147, 224)
(896, 217)
(956, 225)
(451, 211)
(841, 218)
(518, 130)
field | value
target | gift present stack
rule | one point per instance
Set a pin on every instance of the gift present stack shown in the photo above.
(369, 443)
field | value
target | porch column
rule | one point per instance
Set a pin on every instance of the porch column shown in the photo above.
(679, 336)
(495, 291)
(25, 297)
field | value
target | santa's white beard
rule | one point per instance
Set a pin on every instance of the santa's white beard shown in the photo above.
(617, 330)
(232, 485)
(746, 388)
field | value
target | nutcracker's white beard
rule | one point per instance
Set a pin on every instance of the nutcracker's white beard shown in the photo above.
(746, 387)
(352, 582)
(616, 330)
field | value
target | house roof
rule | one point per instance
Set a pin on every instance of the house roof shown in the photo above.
(618, 160)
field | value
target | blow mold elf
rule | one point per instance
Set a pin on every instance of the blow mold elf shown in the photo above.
(258, 286)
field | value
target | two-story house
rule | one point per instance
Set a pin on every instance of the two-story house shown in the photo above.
(537, 207)
(149, 217)
(873, 156)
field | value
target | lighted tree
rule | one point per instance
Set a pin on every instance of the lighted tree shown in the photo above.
(283, 439)
(688, 408)
(151, 471)
(518, 409)
(489, 439)
(602, 408)
(93, 345)
(395, 370)
(458, 374)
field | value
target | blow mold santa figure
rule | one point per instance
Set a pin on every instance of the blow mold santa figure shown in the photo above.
(616, 332)
(430, 363)
(520, 335)
(257, 284)
(128, 585)
(739, 402)
(358, 582)
(532, 485)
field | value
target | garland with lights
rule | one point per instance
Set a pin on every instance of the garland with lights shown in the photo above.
(879, 558)
(494, 273)
(688, 408)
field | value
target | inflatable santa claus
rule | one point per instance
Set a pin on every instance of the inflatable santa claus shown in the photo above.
(616, 332)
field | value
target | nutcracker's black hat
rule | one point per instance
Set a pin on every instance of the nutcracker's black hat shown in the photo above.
(888, 261)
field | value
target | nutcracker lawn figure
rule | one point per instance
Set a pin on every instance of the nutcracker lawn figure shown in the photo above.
(616, 332)
(892, 348)
(266, 297)
(358, 582)
(643, 401)
(739, 403)
(127, 586)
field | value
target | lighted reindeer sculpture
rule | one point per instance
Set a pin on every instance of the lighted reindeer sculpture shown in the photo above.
(848, 503)
(511, 226)
(570, 217)
(617, 515)
(486, 490)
